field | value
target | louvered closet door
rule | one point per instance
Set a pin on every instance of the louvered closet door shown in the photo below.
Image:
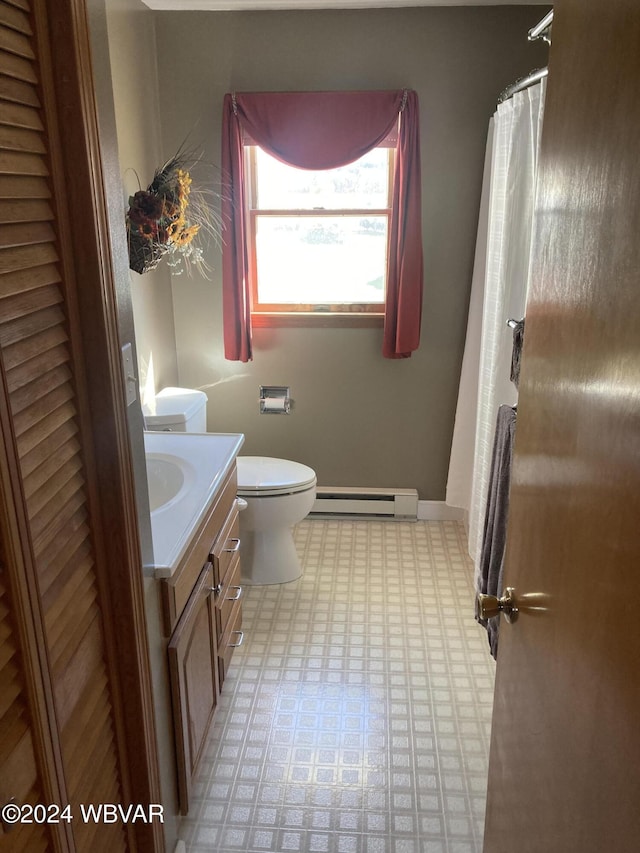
(20, 774)
(36, 358)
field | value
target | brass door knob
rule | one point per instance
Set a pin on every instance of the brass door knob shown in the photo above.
(488, 605)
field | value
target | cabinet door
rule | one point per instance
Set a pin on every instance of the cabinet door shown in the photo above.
(194, 680)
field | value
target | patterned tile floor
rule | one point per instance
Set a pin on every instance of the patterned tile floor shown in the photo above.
(356, 715)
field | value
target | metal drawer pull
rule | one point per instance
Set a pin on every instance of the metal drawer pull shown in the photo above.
(237, 595)
(239, 643)
(233, 548)
(216, 589)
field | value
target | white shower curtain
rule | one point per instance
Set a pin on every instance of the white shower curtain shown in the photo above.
(498, 293)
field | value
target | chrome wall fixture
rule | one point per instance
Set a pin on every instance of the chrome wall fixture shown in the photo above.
(275, 400)
(543, 29)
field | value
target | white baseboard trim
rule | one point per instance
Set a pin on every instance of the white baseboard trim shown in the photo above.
(181, 847)
(439, 511)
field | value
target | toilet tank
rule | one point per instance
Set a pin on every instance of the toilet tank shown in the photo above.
(177, 410)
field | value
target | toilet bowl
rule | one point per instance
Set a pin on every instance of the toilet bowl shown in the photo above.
(278, 492)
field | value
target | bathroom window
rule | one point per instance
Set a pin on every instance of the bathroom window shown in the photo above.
(305, 247)
(318, 240)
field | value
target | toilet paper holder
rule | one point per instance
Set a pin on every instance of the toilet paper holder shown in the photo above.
(275, 400)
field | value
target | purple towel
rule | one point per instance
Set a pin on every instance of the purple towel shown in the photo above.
(516, 352)
(495, 521)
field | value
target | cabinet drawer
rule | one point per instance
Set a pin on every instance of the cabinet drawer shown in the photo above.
(229, 595)
(230, 641)
(226, 547)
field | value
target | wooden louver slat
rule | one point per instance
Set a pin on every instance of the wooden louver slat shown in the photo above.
(32, 370)
(18, 330)
(22, 351)
(21, 281)
(28, 302)
(23, 186)
(20, 116)
(14, 19)
(25, 233)
(27, 257)
(19, 139)
(21, 163)
(14, 42)
(19, 210)
(25, 5)
(19, 92)
(17, 67)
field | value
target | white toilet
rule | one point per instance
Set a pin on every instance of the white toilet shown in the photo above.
(278, 493)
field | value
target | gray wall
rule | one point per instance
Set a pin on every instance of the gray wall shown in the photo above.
(358, 419)
(134, 78)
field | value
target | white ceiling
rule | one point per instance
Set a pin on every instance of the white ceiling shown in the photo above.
(252, 5)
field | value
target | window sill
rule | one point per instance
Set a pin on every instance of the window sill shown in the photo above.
(326, 320)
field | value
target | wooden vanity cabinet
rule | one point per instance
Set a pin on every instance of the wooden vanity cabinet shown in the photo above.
(203, 617)
(193, 673)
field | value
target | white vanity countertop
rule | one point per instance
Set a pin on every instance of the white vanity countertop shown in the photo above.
(203, 460)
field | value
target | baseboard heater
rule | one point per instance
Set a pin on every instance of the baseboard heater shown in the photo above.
(400, 504)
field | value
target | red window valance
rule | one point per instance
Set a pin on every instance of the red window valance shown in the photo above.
(324, 130)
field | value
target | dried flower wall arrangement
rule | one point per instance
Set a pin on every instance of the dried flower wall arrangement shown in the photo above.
(165, 219)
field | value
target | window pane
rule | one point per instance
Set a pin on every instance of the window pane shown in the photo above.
(363, 184)
(321, 259)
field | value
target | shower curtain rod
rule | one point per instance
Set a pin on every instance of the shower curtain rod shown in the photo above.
(523, 83)
(543, 31)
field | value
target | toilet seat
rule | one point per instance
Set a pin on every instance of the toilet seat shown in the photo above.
(265, 476)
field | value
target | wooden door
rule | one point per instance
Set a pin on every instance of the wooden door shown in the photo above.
(76, 724)
(565, 753)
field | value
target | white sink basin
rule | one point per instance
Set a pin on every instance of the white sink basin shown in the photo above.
(184, 473)
(165, 477)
